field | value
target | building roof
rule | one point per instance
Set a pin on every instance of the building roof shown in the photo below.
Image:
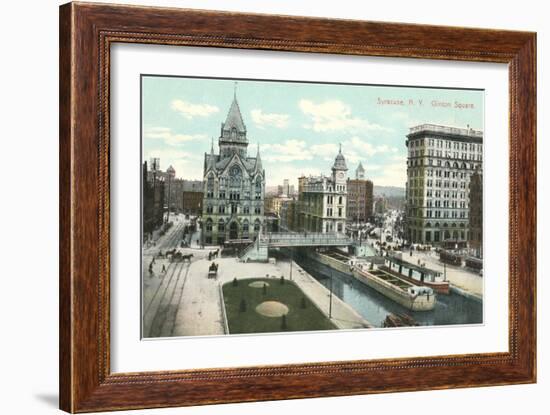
(447, 132)
(234, 118)
(340, 161)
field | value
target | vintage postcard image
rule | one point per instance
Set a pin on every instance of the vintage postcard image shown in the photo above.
(275, 206)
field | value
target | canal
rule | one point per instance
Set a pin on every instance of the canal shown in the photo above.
(373, 306)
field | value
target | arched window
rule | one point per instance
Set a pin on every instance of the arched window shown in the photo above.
(210, 186)
(209, 225)
(221, 225)
(257, 225)
(235, 176)
(233, 133)
(245, 228)
(258, 192)
(210, 183)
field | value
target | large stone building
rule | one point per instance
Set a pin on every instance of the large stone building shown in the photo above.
(475, 239)
(192, 197)
(153, 202)
(322, 200)
(234, 185)
(440, 163)
(359, 201)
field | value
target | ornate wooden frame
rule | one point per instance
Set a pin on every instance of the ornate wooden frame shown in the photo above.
(86, 33)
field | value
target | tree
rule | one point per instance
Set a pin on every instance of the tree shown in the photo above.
(235, 282)
(264, 289)
(282, 280)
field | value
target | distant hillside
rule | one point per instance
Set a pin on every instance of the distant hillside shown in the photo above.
(389, 191)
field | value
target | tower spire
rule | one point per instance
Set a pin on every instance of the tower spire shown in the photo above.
(258, 158)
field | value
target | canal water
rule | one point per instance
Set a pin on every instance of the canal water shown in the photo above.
(373, 306)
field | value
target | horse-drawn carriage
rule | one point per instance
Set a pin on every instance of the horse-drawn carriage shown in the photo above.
(213, 270)
(176, 256)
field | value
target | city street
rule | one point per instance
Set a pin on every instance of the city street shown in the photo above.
(183, 301)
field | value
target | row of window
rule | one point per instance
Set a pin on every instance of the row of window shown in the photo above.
(439, 163)
(330, 212)
(330, 200)
(446, 154)
(233, 209)
(432, 142)
(221, 226)
(446, 204)
(446, 214)
(233, 195)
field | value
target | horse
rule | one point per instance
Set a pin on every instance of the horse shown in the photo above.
(186, 257)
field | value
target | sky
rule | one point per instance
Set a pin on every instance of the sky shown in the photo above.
(298, 126)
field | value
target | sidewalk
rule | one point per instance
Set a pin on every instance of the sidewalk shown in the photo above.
(458, 276)
(200, 309)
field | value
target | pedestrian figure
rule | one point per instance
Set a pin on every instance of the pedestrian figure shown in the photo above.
(163, 268)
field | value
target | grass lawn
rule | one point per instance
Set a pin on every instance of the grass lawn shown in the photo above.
(298, 318)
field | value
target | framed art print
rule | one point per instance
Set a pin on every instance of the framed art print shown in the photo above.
(299, 207)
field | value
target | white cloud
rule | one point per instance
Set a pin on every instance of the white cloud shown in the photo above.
(290, 150)
(334, 115)
(169, 137)
(263, 120)
(327, 151)
(187, 165)
(190, 110)
(364, 148)
(394, 174)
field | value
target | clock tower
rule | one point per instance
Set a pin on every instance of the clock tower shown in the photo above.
(339, 169)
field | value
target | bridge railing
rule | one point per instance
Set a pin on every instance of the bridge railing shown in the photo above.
(305, 238)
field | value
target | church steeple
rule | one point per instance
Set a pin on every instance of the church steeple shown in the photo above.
(233, 131)
(234, 121)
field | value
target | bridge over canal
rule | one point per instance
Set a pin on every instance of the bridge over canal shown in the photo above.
(258, 250)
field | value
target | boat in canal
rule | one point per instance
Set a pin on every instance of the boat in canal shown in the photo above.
(412, 296)
(416, 274)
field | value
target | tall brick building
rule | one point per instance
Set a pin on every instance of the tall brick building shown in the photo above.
(360, 198)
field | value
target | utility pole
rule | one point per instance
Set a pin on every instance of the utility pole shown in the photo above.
(169, 198)
(330, 297)
(291, 260)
